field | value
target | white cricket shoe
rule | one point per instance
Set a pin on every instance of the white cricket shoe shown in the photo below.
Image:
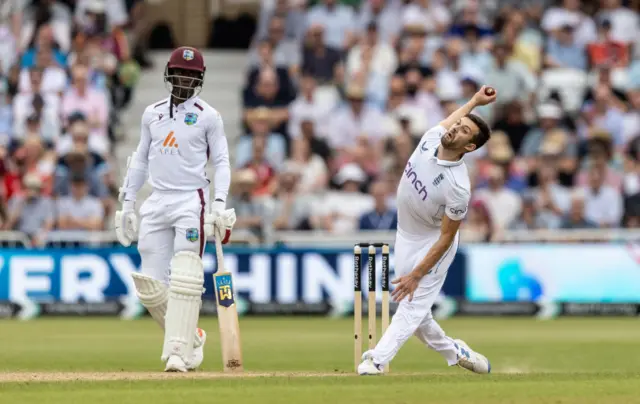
(198, 350)
(368, 367)
(471, 360)
(175, 364)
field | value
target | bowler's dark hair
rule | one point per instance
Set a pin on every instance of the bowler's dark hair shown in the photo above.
(484, 132)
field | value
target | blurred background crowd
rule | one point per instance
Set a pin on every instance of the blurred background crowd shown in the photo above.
(67, 70)
(338, 93)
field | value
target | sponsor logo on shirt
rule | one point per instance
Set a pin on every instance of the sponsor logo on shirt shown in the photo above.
(412, 176)
(170, 146)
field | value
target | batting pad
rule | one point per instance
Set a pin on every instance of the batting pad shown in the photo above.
(153, 295)
(185, 296)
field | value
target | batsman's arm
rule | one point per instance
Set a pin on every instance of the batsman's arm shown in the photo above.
(220, 158)
(137, 165)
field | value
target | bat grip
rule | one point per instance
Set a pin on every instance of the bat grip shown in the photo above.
(218, 242)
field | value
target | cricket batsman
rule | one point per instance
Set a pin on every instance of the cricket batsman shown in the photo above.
(178, 137)
(433, 197)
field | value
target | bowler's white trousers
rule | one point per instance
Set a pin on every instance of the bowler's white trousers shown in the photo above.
(414, 317)
(171, 221)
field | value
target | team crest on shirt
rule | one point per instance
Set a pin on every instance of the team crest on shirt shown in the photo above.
(438, 180)
(187, 54)
(192, 235)
(190, 118)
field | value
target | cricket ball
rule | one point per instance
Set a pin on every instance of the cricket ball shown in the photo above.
(489, 91)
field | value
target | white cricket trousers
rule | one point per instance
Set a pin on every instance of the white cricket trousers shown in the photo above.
(170, 222)
(414, 317)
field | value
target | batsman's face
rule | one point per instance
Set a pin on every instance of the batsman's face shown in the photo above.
(184, 82)
(460, 135)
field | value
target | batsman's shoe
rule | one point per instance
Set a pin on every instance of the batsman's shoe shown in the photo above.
(175, 364)
(198, 350)
(471, 360)
(368, 367)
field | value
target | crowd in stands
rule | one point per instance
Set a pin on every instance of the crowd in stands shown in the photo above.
(338, 93)
(66, 69)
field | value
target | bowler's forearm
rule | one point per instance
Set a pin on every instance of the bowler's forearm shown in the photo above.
(436, 252)
(458, 114)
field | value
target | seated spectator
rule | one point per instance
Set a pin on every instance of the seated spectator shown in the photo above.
(511, 78)
(603, 203)
(77, 137)
(337, 21)
(286, 52)
(264, 170)
(600, 157)
(251, 212)
(307, 106)
(631, 120)
(549, 120)
(562, 50)
(385, 15)
(478, 225)
(575, 219)
(434, 16)
(48, 123)
(23, 102)
(32, 158)
(79, 210)
(50, 37)
(54, 76)
(292, 13)
(354, 125)
(529, 218)
(31, 213)
(92, 103)
(605, 51)
(569, 12)
(313, 173)
(603, 113)
(552, 200)
(381, 217)
(624, 22)
(265, 61)
(503, 204)
(291, 207)
(512, 122)
(265, 94)
(11, 16)
(339, 212)
(321, 61)
(317, 143)
(276, 147)
(113, 12)
(80, 162)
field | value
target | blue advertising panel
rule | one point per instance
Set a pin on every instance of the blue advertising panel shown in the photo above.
(579, 273)
(259, 275)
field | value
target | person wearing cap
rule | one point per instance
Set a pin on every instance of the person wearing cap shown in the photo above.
(549, 116)
(569, 12)
(31, 213)
(79, 210)
(562, 51)
(275, 143)
(340, 211)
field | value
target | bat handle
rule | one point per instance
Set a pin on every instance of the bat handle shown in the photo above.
(219, 256)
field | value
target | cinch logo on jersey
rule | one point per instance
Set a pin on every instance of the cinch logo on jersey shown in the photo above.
(170, 146)
(417, 184)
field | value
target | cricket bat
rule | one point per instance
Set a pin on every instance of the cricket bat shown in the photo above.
(227, 315)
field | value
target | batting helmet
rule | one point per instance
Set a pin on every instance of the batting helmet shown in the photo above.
(184, 72)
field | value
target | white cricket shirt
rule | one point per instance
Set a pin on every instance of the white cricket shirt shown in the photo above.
(175, 148)
(431, 188)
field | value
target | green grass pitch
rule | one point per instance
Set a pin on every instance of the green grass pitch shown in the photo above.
(308, 361)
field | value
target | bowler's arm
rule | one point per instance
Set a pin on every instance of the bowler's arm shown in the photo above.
(459, 113)
(219, 148)
(448, 230)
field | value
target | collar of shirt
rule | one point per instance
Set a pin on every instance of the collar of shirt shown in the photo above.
(446, 163)
(186, 105)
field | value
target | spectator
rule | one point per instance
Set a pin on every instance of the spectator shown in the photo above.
(575, 219)
(92, 103)
(312, 170)
(599, 157)
(381, 217)
(603, 113)
(80, 162)
(47, 119)
(605, 51)
(529, 218)
(603, 203)
(384, 15)
(317, 143)
(265, 61)
(11, 14)
(568, 13)
(31, 213)
(383, 60)
(340, 211)
(631, 120)
(23, 102)
(251, 212)
(79, 210)
(478, 226)
(113, 11)
(509, 77)
(503, 204)
(275, 143)
(291, 208)
(513, 124)
(552, 200)
(264, 170)
(52, 17)
(624, 22)
(308, 106)
(337, 21)
(320, 60)
(562, 50)
(293, 14)
(432, 15)
(549, 119)
(285, 50)
(265, 94)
